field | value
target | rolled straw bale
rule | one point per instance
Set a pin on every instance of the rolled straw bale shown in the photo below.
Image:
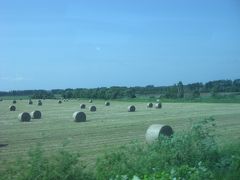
(150, 105)
(30, 101)
(107, 103)
(158, 105)
(131, 108)
(79, 116)
(82, 106)
(92, 108)
(36, 115)
(12, 108)
(155, 131)
(24, 117)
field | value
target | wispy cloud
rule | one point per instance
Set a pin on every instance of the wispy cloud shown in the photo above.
(12, 78)
(98, 48)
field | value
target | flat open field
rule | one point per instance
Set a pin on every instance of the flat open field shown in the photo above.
(107, 128)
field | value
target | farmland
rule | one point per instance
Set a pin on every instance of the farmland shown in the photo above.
(107, 128)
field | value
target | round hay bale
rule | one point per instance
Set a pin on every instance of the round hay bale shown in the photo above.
(82, 106)
(92, 108)
(107, 103)
(150, 105)
(79, 116)
(36, 115)
(12, 108)
(59, 102)
(158, 105)
(14, 101)
(131, 108)
(90, 101)
(30, 102)
(155, 131)
(39, 103)
(24, 117)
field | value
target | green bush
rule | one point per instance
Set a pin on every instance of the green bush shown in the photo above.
(62, 166)
(193, 152)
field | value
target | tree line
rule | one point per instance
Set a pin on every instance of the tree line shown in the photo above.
(178, 90)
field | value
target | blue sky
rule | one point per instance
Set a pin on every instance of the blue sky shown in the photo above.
(68, 44)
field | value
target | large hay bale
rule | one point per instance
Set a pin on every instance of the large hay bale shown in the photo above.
(90, 101)
(150, 105)
(39, 103)
(24, 117)
(36, 115)
(107, 103)
(12, 108)
(30, 101)
(14, 101)
(131, 108)
(59, 102)
(92, 108)
(155, 131)
(79, 116)
(158, 105)
(82, 106)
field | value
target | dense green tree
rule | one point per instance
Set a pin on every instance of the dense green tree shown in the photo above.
(180, 90)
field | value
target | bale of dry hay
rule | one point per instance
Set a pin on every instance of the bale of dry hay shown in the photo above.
(30, 102)
(131, 108)
(107, 103)
(14, 101)
(90, 101)
(92, 108)
(36, 115)
(82, 106)
(12, 108)
(158, 105)
(39, 103)
(155, 131)
(24, 117)
(150, 105)
(59, 102)
(79, 116)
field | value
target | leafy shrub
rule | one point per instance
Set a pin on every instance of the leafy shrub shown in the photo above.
(62, 166)
(183, 153)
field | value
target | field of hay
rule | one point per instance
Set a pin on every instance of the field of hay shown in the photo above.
(107, 128)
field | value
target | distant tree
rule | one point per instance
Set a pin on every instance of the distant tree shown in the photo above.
(180, 90)
(172, 92)
(130, 93)
(236, 85)
(196, 93)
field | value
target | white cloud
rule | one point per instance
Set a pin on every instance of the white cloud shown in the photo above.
(11, 78)
(98, 48)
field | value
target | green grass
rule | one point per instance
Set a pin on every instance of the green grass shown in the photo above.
(105, 129)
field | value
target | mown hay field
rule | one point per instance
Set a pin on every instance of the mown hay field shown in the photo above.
(107, 128)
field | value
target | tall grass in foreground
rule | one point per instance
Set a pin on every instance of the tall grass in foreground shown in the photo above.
(192, 154)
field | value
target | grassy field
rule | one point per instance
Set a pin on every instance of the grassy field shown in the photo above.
(107, 128)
